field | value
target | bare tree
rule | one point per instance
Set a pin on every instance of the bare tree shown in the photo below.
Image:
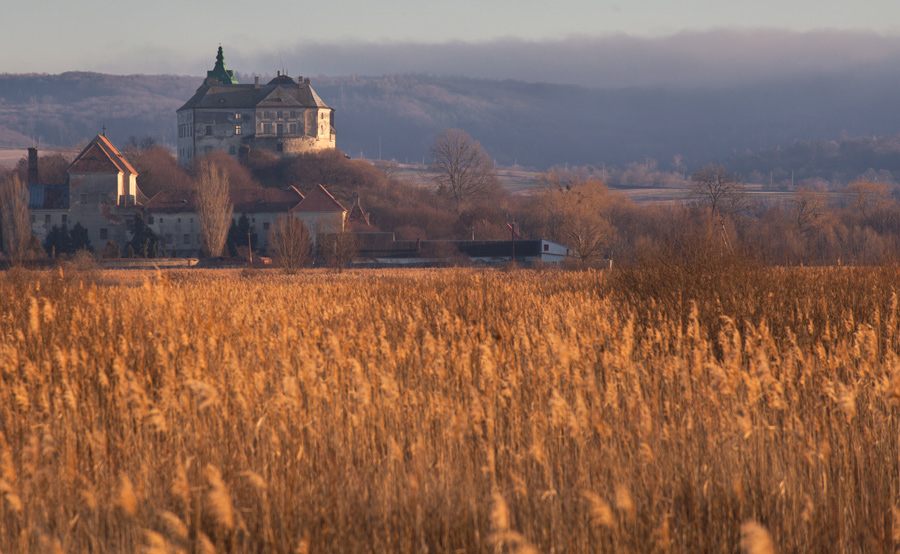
(291, 242)
(464, 169)
(574, 210)
(214, 206)
(14, 218)
(809, 211)
(337, 249)
(869, 197)
(719, 188)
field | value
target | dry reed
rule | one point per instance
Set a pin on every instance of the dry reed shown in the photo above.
(450, 411)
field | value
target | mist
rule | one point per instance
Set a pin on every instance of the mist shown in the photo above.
(717, 58)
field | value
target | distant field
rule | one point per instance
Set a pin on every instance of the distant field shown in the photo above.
(672, 409)
(9, 158)
(519, 181)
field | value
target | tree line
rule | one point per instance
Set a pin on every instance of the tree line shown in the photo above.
(810, 225)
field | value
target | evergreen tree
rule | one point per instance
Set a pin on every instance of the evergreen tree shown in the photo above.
(59, 241)
(80, 238)
(237, 234)
(143, 239)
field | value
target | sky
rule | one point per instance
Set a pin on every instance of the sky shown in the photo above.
(494, 38)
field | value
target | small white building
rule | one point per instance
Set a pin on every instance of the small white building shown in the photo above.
(173, 215)
(101, 194)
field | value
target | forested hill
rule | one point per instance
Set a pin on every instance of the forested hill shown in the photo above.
(532, 124)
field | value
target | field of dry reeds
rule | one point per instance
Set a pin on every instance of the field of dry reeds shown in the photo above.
(450, 411)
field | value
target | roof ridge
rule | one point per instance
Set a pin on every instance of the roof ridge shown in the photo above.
(107, 149)
(315, 199)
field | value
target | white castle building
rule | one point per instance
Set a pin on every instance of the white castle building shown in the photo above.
(283, 116)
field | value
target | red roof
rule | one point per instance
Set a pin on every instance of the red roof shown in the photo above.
(319, 200)
(244, 200)
(265, 200)
(173, 201)
(100, 156)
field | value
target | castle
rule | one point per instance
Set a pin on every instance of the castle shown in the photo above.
(283, 116)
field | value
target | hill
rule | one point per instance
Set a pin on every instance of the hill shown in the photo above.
(535, 125)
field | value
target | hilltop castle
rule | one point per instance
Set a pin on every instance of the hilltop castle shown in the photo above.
(283, 116)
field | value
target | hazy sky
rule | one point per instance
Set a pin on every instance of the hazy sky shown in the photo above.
(181, 36)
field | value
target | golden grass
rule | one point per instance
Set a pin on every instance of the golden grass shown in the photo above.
(449, 411)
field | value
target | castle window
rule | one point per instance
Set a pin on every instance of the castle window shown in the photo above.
(232, 149)
(65, 219)
(237, 116)
(266, 226)
(47, 219)
(104, 234)
(293, 115)
(280, 115)
(267, 128)
(209, 129)
(279, 147)
(84, 198)
(237, 129)
(150, 220)
(187, 239)
(292, 128)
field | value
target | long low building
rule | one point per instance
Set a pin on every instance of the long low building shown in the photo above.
(102, 196)
(382, 249)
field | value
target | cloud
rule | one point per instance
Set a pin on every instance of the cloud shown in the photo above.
(722, 57)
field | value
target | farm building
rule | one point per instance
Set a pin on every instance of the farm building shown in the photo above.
(103, 197)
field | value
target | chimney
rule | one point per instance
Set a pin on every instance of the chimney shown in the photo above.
(256, 81)
(33, 166)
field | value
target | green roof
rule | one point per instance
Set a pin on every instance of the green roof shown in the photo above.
(219, 74)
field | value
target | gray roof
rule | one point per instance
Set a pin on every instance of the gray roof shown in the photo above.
(48, 197)
(281, 92)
